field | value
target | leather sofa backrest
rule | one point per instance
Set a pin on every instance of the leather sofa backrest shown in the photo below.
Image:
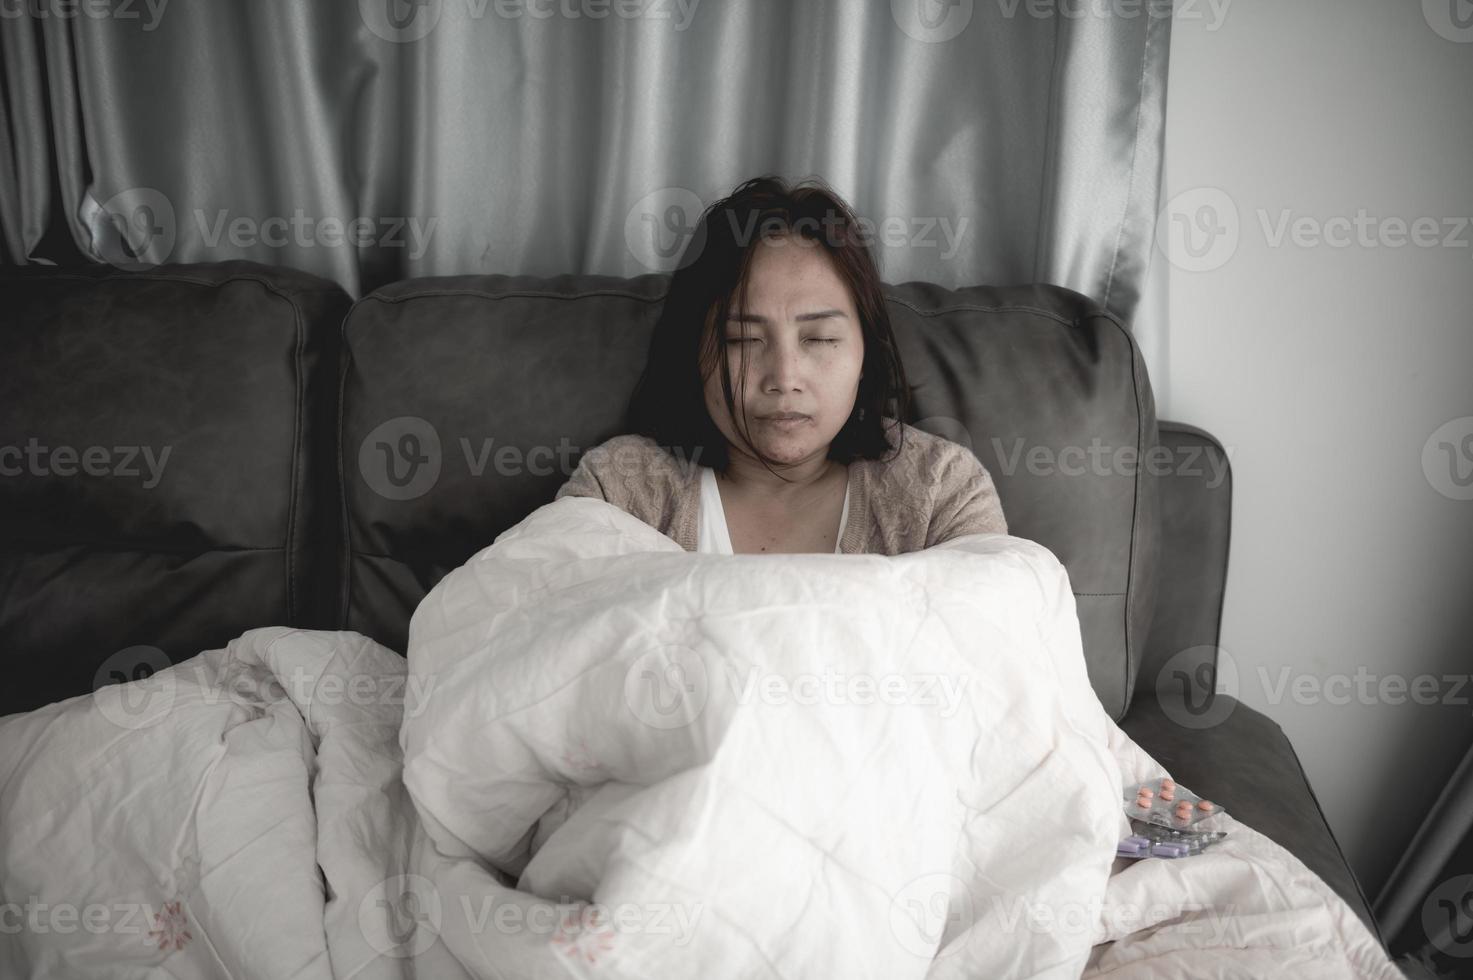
(466, 402)
(167, 467)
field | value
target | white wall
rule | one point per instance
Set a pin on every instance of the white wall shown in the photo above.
(1325, 370)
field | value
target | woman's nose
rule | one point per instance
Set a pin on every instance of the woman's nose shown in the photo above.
(782, 365)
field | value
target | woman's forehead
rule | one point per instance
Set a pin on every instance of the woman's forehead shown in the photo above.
(804, 275)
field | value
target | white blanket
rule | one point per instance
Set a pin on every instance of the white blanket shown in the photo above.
(623, 760)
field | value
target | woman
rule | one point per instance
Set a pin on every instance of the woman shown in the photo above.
(771, 370)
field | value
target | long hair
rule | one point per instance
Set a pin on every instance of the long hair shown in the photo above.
(668, 402)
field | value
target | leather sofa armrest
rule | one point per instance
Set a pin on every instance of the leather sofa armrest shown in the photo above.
(1242, 759)
(1196, 501)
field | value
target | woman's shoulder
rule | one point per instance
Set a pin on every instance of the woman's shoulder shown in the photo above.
(642, 454)
(927, 455)
(935, 488)
(627, 469)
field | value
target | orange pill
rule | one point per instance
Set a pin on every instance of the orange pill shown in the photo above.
(1168, 784)
(1205, 806)
(1167, 794)
(1143, 803)
(1147, 792)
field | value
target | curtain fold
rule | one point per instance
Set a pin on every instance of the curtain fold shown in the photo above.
(366, 142)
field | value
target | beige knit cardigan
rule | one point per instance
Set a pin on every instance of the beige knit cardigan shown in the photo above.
(932, 490)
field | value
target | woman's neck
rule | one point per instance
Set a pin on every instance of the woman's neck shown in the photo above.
(746, 473)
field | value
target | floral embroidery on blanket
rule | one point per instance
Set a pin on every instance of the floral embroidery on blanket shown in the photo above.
(578, 757)
(170, 927)
(584, 933)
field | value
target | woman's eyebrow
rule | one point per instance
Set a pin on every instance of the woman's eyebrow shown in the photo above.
(801, 318)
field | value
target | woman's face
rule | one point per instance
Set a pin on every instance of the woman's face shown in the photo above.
(804, 352)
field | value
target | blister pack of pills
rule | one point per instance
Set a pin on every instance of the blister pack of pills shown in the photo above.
(1165, 804)
(1151, 840)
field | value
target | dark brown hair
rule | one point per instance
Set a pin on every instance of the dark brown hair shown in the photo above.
(668, 403)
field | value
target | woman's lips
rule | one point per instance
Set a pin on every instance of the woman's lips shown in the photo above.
(786, 423)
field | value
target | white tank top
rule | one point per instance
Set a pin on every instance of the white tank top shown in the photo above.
(713, 537)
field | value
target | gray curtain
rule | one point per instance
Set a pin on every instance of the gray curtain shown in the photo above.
(1005, 141)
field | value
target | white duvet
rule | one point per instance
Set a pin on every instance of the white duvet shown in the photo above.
(612, 758)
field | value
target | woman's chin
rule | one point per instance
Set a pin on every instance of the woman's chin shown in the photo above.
(788, 449)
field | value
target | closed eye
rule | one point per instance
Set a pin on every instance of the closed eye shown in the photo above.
(816, 340)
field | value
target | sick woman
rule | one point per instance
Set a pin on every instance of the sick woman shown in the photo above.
(768, 416)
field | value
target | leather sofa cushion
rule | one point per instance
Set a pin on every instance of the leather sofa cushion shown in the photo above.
(228, 368)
